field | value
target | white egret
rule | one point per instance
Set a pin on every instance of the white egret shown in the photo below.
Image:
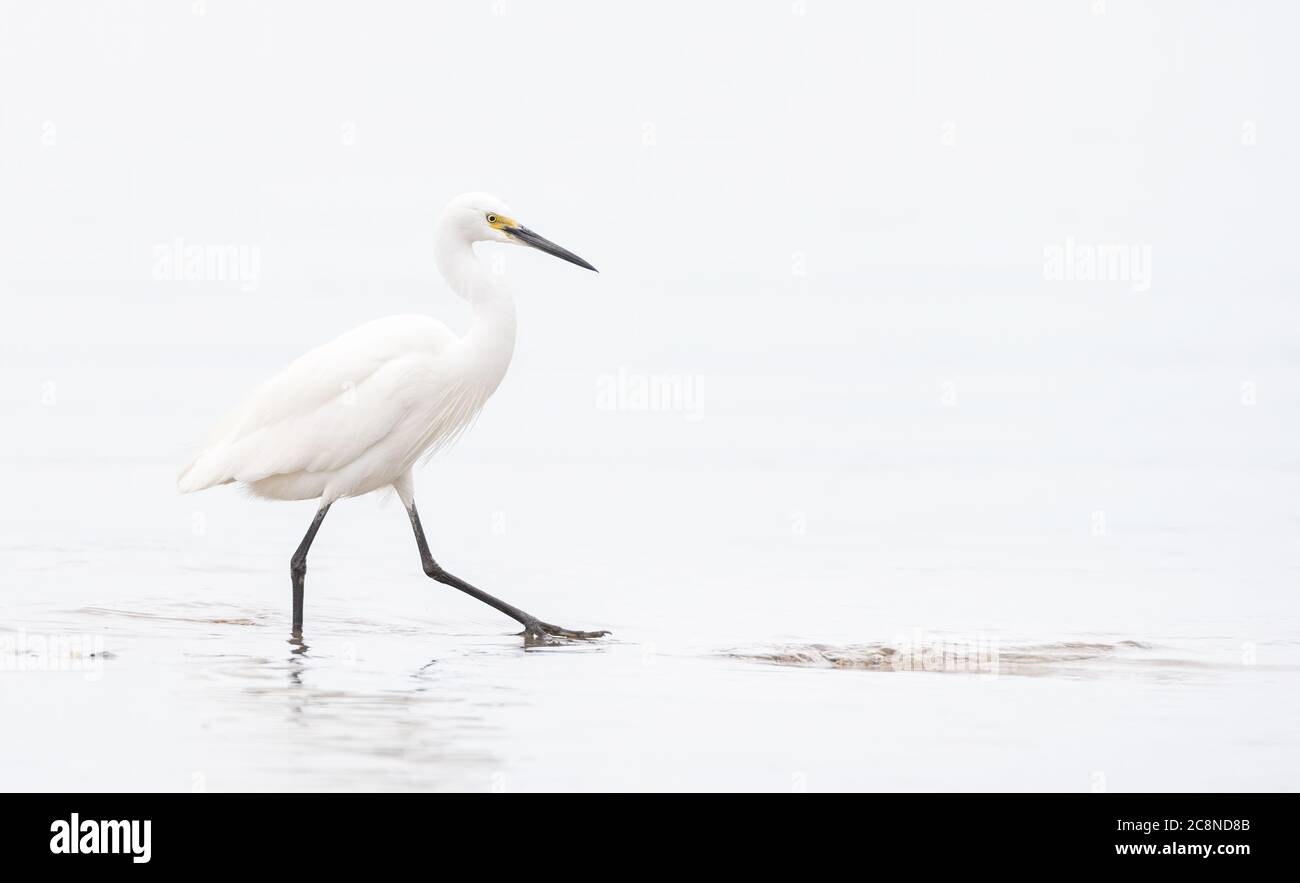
(355, 415)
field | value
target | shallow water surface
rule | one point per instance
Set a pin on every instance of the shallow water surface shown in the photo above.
(191, 682)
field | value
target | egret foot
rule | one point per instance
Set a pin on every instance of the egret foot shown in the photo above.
(538, 633)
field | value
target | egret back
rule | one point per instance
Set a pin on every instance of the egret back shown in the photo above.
(333, 406)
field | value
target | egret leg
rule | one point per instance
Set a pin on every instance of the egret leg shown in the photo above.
(535, 631)
(298, 567)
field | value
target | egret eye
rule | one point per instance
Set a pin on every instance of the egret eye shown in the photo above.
(492, 219)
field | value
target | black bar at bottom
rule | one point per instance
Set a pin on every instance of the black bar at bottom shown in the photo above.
(231, 832)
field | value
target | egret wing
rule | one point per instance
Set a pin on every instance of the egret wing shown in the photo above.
(328, 407)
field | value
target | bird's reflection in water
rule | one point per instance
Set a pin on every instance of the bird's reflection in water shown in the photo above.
(421, 677)
(296, 660)
(362, 704)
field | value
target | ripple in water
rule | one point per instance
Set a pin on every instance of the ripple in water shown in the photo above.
(987, 656)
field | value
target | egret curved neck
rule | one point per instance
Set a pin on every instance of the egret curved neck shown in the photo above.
(493, 327)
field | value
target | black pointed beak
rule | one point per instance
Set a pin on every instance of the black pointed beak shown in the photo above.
(541, 243)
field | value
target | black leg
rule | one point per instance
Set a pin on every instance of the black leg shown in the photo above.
(534, 629)
(298, 567)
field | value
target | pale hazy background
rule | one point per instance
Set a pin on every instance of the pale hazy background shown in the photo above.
(823, 226)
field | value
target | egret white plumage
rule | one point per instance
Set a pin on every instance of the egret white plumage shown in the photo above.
(356, 415)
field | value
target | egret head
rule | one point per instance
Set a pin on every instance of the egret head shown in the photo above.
(481, 217)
